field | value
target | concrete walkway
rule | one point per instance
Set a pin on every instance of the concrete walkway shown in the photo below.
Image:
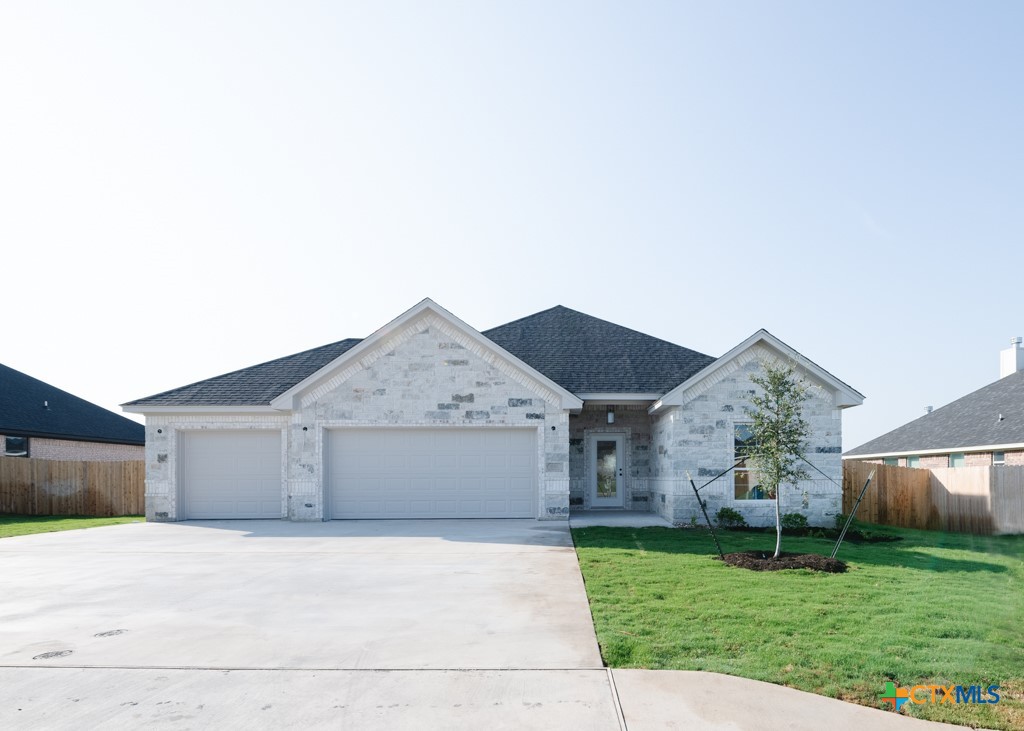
(616, 519)
(361, 624)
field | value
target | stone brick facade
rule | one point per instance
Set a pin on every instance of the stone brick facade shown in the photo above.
(77, 451)
(697, 437)
(429, 370)
(929, 461)
(978, 459)
(429, 374)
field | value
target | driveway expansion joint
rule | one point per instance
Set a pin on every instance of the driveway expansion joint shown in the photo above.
(619, 715)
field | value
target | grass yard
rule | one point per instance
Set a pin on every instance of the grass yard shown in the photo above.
(23, 525)
(933, 608)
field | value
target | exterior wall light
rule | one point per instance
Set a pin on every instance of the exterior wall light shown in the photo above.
(611, 414)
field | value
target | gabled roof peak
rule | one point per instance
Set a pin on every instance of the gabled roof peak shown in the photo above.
(386, 334)
(586, 354)
(845, 395)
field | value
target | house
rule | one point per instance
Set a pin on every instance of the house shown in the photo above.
(41, 421)
(429, 418)
(985, 427)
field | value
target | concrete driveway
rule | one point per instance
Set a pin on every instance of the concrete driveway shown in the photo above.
(444, 594)
(360, 624)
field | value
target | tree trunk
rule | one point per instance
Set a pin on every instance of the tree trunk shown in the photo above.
(778, 520)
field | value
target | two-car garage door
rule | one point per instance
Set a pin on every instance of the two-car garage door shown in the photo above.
(370, 473)
(432, 473)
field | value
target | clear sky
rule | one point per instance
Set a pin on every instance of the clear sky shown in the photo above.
(187, 188)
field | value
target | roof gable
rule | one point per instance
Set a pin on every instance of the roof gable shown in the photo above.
(427, 312)
(585, 354)
(33, 408)
(569, 353)
(992, 416)
(706, 378)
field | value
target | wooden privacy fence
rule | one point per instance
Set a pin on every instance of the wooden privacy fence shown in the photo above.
(50, 487)
(980, 500)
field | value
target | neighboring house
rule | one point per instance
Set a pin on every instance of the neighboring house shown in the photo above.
(428, 418)
(41, 421)
(985, 427)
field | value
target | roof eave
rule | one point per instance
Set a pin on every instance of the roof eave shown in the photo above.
(197, 409)
(37, 434)
(619, 396)
(942, 450)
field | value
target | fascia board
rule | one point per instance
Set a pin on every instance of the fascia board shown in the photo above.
(201, 410)
(944, 450)
(619, 397)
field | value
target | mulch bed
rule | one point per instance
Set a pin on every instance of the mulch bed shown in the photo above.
(763, 561)
(853, 535)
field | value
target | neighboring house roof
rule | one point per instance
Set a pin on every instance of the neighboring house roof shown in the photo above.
(992, 416)
(587, 355)
(256, 385)
(31, 408)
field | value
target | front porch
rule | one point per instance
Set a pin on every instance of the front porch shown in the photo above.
(610, 458)
(616, 519)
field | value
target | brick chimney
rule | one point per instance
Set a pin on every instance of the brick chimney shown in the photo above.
(1011, 360)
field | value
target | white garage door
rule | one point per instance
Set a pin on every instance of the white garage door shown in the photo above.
(231, 474)
(432, 473)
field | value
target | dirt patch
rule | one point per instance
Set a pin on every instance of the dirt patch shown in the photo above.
(763, 561)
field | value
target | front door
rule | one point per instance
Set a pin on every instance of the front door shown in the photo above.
(606, 471)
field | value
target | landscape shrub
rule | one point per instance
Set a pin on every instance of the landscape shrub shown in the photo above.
(730, 518)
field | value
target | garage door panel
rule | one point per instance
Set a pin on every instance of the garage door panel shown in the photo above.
(419, 461)
(437, 473)
(226, 474)
(444, 441)
(521, 484)
(445, 461)
(497, 485)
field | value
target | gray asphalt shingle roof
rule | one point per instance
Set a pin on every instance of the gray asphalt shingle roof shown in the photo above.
(256, 385)
(584, 354)
(971, 421)
(579, 352)
(33, 408)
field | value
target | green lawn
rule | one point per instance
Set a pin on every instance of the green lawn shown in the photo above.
(933, 608)
(22, 525)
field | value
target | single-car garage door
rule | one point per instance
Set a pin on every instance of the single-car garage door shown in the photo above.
(432, 473)
(231, 474)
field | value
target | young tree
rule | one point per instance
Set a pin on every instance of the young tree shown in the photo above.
(780, 433)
